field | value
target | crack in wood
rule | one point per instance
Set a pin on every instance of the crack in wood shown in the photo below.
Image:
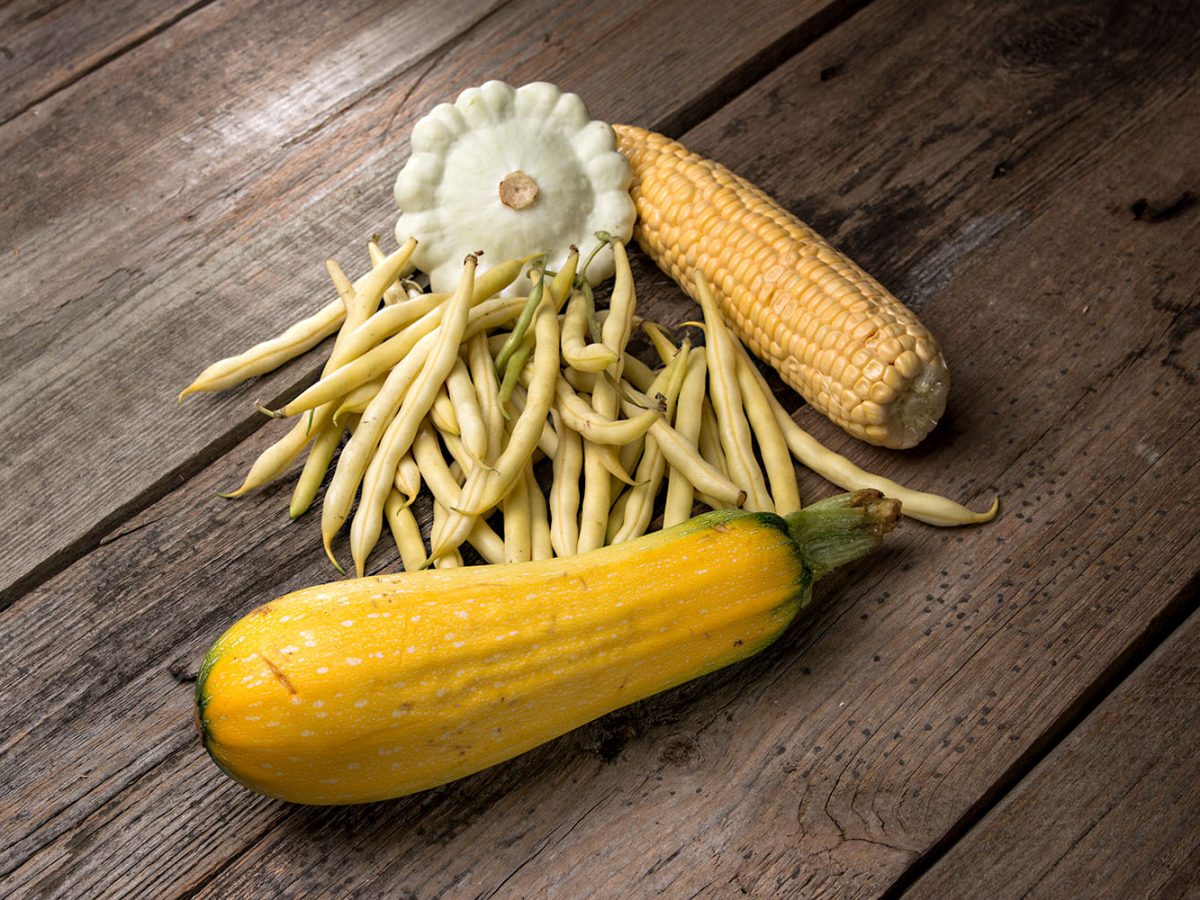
(48, 834)
(1185, 602)
(1113, 802)
(200, 886)
(107, 58)
(119, 535)
(548, 841)
(754, 70)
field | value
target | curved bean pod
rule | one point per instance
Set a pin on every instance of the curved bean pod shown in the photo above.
(485, 487)
(576, 351)
(448, 492)
(540, 545)
(408, 478)
(271, 354)
(398, 437)
(465, 403)
(319, 457)
(443, 413)
(639, 509)
(932, 509)
(357, 401)
(772, 446)
(578, 415)
(487, 392)
(564, 489)
(405, 531)
(680, 493)
(735, 434)
(518, 533)
(684, 456)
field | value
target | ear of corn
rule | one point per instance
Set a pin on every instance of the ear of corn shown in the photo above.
(383, 686)
(833, 332)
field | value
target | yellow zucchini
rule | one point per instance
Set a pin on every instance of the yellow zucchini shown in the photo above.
(379, 687)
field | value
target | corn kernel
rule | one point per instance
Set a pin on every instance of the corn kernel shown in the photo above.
(833, 332)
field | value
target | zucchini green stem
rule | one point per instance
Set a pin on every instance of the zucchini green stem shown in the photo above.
(841, 529)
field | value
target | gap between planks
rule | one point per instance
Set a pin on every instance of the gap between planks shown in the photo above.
(1157, 631)
(134, 41)
(706, 104)
(1169, 620)
(163, 487)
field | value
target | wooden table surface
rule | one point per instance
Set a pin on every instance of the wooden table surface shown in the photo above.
(1004, 710)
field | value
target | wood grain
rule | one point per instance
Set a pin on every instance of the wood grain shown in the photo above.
(874, 768)
(48, 46)
(178, 204)
(1112, 812)
(1000, 190)
(116, 225)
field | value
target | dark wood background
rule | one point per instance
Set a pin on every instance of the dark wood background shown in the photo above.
(1007, 710)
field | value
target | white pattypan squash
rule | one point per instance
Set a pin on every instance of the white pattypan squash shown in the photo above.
(511, 172)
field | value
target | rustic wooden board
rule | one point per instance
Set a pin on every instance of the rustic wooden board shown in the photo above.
(829, 763)
(1112, 812)
(49, 46)
(178, 204)
(165, 141)
(853, 816)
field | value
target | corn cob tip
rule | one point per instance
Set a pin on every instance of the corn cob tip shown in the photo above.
(919, 405)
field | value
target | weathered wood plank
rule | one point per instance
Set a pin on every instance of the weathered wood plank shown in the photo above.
(1114, 811)
(138, 250)
(874, 768)
(49, 45)
(832, 760)
(97, 670)
(120, 187)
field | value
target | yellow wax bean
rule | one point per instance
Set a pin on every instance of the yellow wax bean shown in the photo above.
(680, 493)
(398, 437)
(443, 414)
(932, 509)
(518, 536)
(406, 532)
(734, 432)
(485, 487)
(777, 459)
(564, 489)
(386, 356)
(487, 393)
(540, 544)
(465, 403)
(319, 457)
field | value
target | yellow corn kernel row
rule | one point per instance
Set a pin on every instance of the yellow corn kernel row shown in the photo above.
(851, 349)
